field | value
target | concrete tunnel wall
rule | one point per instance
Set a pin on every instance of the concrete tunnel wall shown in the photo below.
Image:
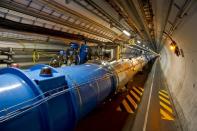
(181, 72)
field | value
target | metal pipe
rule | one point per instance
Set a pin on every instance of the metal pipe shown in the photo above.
(103, 12)
(3, 57)
(141, 48)
(139, 7)
(30, 11)
(132, 12)
(54, 99)
(8, 24)
(124, 15)
(187, 4)
(30, 56)
(59, 7)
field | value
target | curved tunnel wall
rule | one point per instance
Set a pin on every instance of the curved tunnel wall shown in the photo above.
(181, 72)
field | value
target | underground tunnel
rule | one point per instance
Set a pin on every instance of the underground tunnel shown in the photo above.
(83, 65)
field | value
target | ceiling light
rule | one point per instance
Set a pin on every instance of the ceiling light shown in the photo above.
(138, 41)
(126, 33)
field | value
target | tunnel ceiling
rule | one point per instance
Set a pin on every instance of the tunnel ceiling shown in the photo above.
(169, 18)
(101, 20)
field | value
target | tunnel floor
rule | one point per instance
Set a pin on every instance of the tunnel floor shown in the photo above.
(145, 106)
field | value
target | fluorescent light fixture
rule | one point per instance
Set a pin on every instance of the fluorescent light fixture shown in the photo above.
(138, 41)
(126, 33)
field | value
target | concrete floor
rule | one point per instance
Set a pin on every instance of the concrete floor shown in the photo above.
(157, 112)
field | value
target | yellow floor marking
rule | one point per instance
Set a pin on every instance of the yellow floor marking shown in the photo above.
(166, 116)
(140, 93)
(132, 101)
(118, 108)
(164, 99)
(164, 91)
(126, 106)
(166, 107)
(137, 97)
(140, 88)
(166, 96)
